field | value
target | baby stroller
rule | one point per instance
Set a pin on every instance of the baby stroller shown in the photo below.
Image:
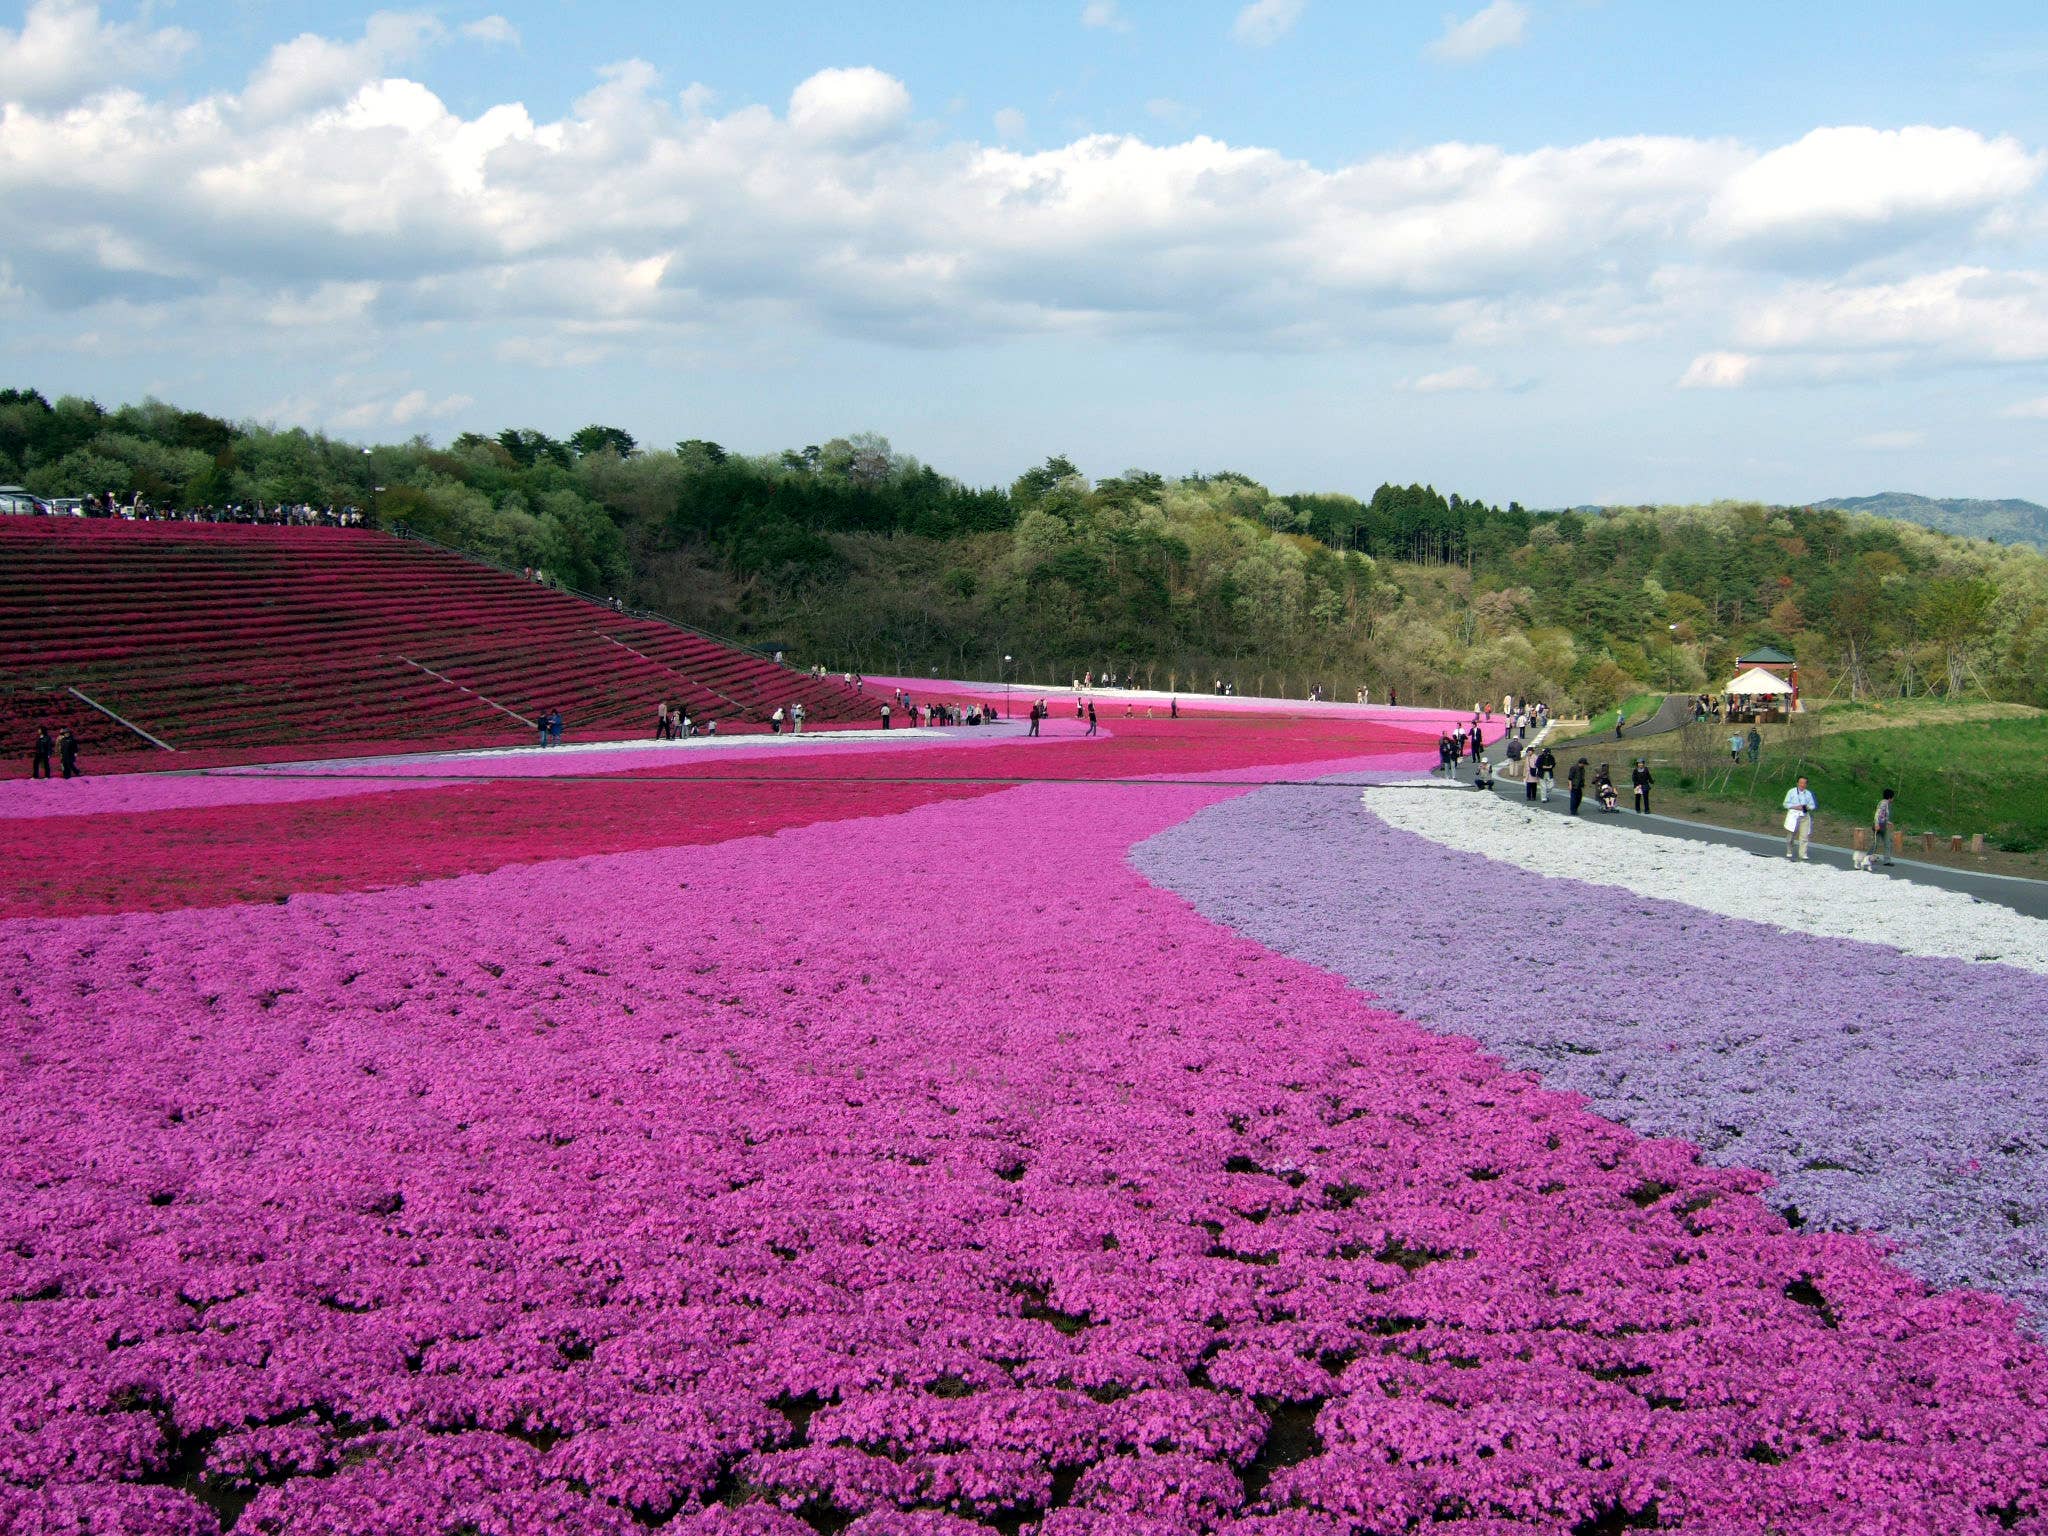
(1604, 788)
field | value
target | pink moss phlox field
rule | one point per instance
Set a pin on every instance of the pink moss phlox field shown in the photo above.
(277, 784)
(930, 1173)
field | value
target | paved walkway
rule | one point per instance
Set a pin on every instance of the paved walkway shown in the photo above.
(1674, 713)
(2014, 891)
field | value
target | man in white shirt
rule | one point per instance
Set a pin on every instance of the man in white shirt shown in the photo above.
(1799, 809)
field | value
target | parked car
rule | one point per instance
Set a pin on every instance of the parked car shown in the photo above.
(67, 506)
(17, 501)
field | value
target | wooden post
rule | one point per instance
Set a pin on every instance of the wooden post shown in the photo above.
(1927, 842)
(1898, 843)
(1955, 842)
(1977, 844)
(1859, 840)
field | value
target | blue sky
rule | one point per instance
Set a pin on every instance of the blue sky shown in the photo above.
(1549, 250)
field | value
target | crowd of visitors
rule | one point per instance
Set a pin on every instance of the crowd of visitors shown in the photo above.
(139, 509)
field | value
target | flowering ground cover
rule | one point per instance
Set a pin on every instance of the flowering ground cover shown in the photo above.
(1886, 1092)
(176, 789)
(252, 836)
(910, 1174)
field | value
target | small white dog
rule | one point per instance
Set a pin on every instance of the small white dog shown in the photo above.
(1861, 858)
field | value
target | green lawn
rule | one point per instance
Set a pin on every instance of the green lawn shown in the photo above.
(1988, 776)
(1641, 707)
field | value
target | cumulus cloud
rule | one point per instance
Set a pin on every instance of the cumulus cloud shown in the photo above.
(1973, 314)
(332, 193)
(1853, 184)
(1104, 15)
(1264, 22)
(491, 29)
(849, 106)
(1501, 25)
(64, 49)
(312, 71)
(1718, 370)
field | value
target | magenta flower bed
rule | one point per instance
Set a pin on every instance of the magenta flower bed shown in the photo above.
(926, 1174)
(323, 779)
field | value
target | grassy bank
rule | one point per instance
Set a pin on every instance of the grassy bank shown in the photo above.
(1955, 772)
(1639, 707)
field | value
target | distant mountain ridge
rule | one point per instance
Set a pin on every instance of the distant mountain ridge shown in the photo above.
(2009, 522)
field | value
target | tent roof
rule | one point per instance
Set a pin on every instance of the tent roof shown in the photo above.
(1757, 680)
(1766, 655)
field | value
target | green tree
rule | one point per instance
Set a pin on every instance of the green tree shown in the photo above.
(586, 441)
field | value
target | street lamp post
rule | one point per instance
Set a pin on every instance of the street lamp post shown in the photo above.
(1006, 685)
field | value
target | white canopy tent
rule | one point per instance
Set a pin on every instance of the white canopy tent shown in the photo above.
(1756, 681)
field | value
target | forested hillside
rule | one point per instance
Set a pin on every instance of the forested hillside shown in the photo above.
(2010, 521)
(854, 555)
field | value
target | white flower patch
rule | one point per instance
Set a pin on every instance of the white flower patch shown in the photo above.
(1904, 915)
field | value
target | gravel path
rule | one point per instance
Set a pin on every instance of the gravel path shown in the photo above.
(1914, 919)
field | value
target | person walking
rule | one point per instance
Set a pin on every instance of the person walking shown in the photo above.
(1641, 781)
(796, 718)
(1091, 718)
(1034, 720)
(1546, 773)
(1882, 822)
(67, 753)
(1173, 709)
(775, 722)
(885, 717)
(1756, 743)
(541, 724)
(1620, 719)
(1799, 808)
(661, 732)
(39, 761)
(1577, 780)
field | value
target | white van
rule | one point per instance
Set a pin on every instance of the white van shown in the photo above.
(17, 501)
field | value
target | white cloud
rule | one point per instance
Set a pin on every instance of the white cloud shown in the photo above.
(312, 71)
(2028, 410)
(1463, 379)
(1718, 370)
(332, 196)
(1264, 22)
(63, 49)
(1969, 314)
(849, 106)
(1499, 25)
(1104, 15)
(1891, 442)
(491, 29)
(1844, 183)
